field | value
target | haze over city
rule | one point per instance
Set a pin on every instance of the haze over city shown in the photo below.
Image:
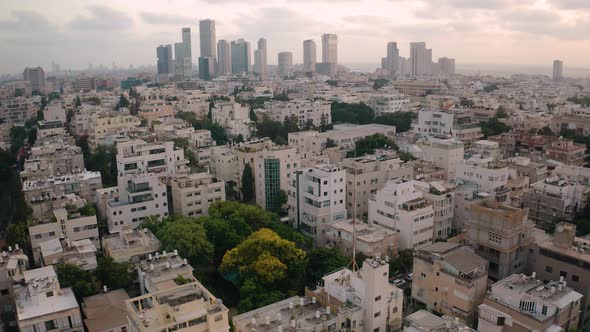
(496, 32)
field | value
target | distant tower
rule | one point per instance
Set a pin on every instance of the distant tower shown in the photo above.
(329, 48)
(240, 57)
(165, 60)
(309, 56)
(188, 53)
(207, 40)
(285, 63)
(421, 58)
(224, 53)
(36, 76)
(392, 57)
(557, 70)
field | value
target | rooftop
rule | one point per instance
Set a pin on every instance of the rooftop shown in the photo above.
(105, 311)
(426, 321)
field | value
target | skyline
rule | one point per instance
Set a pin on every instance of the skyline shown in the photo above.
(500, 32)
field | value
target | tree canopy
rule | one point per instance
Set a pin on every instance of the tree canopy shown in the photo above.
(368, 145)
(493, 126)
(352, 113)
(401, 120)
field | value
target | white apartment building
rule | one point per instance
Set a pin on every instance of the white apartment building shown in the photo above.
(316, 112)
(453, 124)
(372, 304)
(13, 263)
(81, 253)
(234, 117)
(272, 169)
(487, 149)
(344, 135)
(53, 159)
(386, 103)
(140, 196)
(184, 308)
(155, 109)
(139, 157)
(65, 224)
(489, 176)
(442, 197)
(446, 153)
(17, 110)
(223, 163)
(157, 272)
(101, 125)
(371, 240)
(402, 207)
(54, 112)
(316, 197)
(42, 305)
(365, 175)
(130, 245)
(192, 194)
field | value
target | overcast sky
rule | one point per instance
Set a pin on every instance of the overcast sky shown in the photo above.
(74, 33)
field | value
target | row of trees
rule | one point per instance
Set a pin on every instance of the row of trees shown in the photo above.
(363, 114)
(367, 146)
(245, 255)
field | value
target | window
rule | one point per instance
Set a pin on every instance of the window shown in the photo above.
(51, 233)
(377, 314)
(548, 269)
(37, 236)
(575, 278)
(544, 310)
(49, 294)
(51, 324)
(563, 274)
(378, 298)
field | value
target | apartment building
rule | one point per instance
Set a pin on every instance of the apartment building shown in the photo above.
(155, 109)
(99, 126)
(234, 117)
(140, 196)
(185, 307)
(400, 206)
(162, 271)
(316, 198)
(555, 199)
(81, 253)
(573, 173)
(564, 255)
(42, 305)
(520, 302)
(13, 263)
(130, 245)
(418, 87)
(53, 159)
(365, 175)
(461, 126)
(567, 151)
(17, 110)
(223, 163)
(446, 153)
(140, 157)
(314, 112)
(425, 321)
(490, 177)
(501, 234)
(343, 135)
(192, 194)
(45, 194)
(106, 312)
(450, 279)
(64, 224)
(362, 301)
(441, 195)
(55, 112)
(371, 240)
(579, 124)
(487, 149)
(386, 103)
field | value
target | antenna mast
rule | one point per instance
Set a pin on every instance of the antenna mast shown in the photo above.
(353, 263)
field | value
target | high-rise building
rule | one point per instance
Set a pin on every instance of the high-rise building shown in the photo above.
(36, 76)
(557, 70)
(165, 60)
(421, 58)
(207, 39)
(260, 58)
(179, 60)
(224, 52)
(188, 53)
(309, 56)
(392, 57)
(206, 67)
(285, 63)
(240, 56)
(329, 48)
(446, 66)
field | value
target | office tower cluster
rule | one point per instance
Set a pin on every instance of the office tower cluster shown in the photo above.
(176, 63)
(418, 64)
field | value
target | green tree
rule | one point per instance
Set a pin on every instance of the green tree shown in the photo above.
(379, 83)
(252, 115)
(352, 113)
(402, 263)
(271, 129)
(401, 120)
(247, 184)
(114, 275)
(291, 124)
(18, 233)
(123, 102)
(225, 234)
(77, 102)
(465, 102)
(87, 210)
(218, 134)
(81, 281)
(368, 145)
(188, 236)
(545, 131)
(493, 127)
(103, 160)
(322, 261)
(43, 103)
(17, 139)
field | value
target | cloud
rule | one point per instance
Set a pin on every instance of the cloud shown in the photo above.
(541, 22)
(101, 18)
(570, 4)
(25, 21)
(158, 18)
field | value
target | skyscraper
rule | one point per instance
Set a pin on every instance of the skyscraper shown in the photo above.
(206, 67)
(421, 58)
(392, 57)
(446, 66)
(285, 63)
(224, 52)
(309, 56)
(260, 58)
(329, 48)
(165, 60)
(188, 53)
(179, 60)
(240, 57)
(207, 39)
(36, 76)
(557, 70)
